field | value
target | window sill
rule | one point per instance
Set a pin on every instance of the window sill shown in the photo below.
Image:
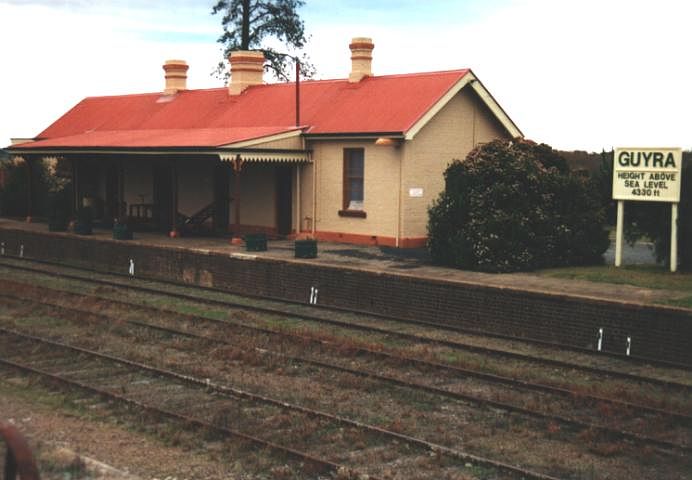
(353, 213)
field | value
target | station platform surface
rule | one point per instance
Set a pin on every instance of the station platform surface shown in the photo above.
(405, 262)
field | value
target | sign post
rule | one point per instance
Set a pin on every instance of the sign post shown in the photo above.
(649, 175)
(618, 233)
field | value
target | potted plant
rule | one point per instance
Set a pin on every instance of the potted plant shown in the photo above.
(306, 248)
(255, 242)
(121, 230)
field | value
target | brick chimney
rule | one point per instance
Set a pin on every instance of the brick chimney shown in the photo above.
(361, 58)
(247, 68)
(176, 76)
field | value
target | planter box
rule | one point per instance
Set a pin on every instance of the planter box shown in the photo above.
(121, 232)
(256, 242)
(81, 228)
(306, 248)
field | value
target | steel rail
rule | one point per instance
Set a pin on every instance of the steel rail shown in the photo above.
(315, 461)
(401, 358)
(622, 434)
(235, 392)
(442, 326)
(354, 326)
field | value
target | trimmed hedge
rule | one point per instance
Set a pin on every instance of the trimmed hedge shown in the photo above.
(514, 205)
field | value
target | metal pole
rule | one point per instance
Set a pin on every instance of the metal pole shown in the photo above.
(237, 166)
(298, 199)
(297, 93)
(673, 237)
(618, 233)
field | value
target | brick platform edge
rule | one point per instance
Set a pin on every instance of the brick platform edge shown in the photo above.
(659, 333)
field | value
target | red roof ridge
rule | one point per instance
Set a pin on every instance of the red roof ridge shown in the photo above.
(152, 94)
(285, 84)
(460, 71)
(423, 74)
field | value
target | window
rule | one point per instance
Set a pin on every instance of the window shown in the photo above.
(354, 165)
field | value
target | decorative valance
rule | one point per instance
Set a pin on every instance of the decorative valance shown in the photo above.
(267, 157)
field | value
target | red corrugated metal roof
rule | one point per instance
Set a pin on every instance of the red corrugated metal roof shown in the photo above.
(209, 118)
(173, 137)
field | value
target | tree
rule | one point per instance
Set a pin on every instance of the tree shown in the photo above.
(516, 206)
(248, 23)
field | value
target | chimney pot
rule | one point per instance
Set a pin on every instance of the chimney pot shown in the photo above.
(176, 76)
(361, 58)
(247, 68)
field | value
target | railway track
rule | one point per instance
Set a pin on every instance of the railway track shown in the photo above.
(204, 403)
(321, 315)
(682, 389)
(581, 418)
(276, 337)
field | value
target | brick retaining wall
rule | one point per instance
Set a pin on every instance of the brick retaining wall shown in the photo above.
(657, 332)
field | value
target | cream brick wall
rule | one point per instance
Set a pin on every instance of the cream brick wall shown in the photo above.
(306, 197)
(381, 187)
(451, 134)
(292, 143)
(258, 195)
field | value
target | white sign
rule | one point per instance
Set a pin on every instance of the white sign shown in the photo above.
(415, 192)
(647, 174)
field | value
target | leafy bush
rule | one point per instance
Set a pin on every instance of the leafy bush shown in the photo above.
(14, 193)
(515, 206)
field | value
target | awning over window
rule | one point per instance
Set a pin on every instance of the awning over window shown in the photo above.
(267, 157)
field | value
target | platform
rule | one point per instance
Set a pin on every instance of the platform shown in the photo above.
(409, 262)
(390, 282)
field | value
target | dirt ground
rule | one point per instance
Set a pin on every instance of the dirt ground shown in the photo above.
(69, 445)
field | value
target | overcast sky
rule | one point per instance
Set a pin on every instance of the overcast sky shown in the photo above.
(587, 74)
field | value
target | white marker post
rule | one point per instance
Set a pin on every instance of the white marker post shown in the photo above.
(674, 237)
(647, 175)
(618, 233)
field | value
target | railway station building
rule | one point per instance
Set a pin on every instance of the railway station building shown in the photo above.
(357, 160)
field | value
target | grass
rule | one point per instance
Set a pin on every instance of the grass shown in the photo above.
(645, 276)
(40, 321)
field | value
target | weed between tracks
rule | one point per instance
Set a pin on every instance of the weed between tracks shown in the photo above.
(235, 458)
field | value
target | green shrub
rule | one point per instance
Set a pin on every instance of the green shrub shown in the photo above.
(515, 206)
(14, 193)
